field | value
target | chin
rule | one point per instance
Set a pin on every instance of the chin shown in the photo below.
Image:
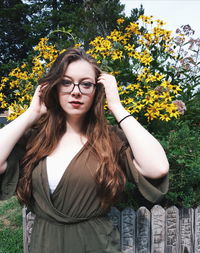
(75, 113)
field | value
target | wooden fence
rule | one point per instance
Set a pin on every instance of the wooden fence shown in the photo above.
(3, 119)
(143, 231)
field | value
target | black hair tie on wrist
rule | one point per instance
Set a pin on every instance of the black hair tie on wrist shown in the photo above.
(124, 118)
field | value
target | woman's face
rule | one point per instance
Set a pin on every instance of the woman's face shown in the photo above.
(76, 103)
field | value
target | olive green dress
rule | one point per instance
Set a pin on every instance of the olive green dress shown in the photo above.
(70, 219)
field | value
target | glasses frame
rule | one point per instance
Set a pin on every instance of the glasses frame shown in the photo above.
(78, 85)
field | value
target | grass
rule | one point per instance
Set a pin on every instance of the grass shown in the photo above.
(11, 234)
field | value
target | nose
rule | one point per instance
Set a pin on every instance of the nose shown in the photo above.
(76, 90)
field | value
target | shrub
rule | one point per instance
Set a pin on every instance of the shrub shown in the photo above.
(182, 145)
(137, 53)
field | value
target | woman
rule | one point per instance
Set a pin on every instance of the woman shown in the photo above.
(68, 166)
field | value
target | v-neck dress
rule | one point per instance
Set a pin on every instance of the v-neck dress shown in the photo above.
(70, 220)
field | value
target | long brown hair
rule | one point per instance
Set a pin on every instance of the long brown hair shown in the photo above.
(110, 178)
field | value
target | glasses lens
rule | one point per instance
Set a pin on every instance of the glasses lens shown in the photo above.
(67, 85)
(86, 87)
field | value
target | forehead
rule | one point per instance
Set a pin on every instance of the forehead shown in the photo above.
(80, 69)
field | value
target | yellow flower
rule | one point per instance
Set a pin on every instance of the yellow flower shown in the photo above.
(131, 54)
(148, 36)
(150, 115)
(165, 84)
(140, 106)
(4, 79)
(166, 96)
(120, 21)
(77, 45)
(164, 117)
(139, 93)
(175, 89)
(129, 47)
(172, 109)
(160, 22)
(153, 111)
(148, 100)
(1, 96)
(2, 85)
(146, 19)
(116, 35)
(131, 87)
(133, 28)
(141, 77)
(117, 54)
(23, 66)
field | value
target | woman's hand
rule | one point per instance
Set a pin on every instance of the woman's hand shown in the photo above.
(37, 107)
(111, 90)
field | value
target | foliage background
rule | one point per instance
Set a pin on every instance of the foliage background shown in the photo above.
(153, 70)
(28, 21)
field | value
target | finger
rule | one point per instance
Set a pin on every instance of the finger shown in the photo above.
(43, 85)
(100, 81)
(37, 91)
(40, 89)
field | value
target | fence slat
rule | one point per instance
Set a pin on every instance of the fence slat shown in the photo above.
(128, 230)
(157, 229)
(143, 230)
(197, 230)
(172, 230)
(114, 215)
(186, 230)
(28, 220)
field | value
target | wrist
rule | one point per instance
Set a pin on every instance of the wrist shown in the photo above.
(31, 116)
(119, 112)
(128, 115)
(116, 108)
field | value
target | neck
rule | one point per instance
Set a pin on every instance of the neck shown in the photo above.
(75, 125)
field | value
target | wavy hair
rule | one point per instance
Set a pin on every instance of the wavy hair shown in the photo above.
(109, 177)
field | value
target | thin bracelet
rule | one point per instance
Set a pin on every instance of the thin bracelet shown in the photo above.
(124, 118)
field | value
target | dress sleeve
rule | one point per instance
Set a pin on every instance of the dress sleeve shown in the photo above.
(9, 179)
(152, 189)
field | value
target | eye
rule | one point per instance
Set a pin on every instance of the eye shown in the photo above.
(66, 82)
(86, 85)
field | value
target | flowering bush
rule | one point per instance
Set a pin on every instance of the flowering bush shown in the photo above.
(22, 80)
(137, 53)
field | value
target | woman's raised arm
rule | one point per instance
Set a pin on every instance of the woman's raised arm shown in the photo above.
(149, 156)
(11, 133)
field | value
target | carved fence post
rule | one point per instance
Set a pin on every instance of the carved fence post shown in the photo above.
(143, 222)
(128, 230)
(28, 220)
(197, 230)
(25, 236)
(172, 230)
(114, 216)
(157, 229)
(186, 230)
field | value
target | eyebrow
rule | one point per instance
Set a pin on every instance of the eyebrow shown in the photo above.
(80, 79)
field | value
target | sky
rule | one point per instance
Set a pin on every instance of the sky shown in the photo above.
(174, 12)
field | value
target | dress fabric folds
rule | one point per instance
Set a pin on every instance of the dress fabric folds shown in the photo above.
(70, 220)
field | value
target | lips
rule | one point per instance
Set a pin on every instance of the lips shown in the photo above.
(76, 102)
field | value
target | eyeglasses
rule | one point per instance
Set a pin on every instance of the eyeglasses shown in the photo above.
(84, 87)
